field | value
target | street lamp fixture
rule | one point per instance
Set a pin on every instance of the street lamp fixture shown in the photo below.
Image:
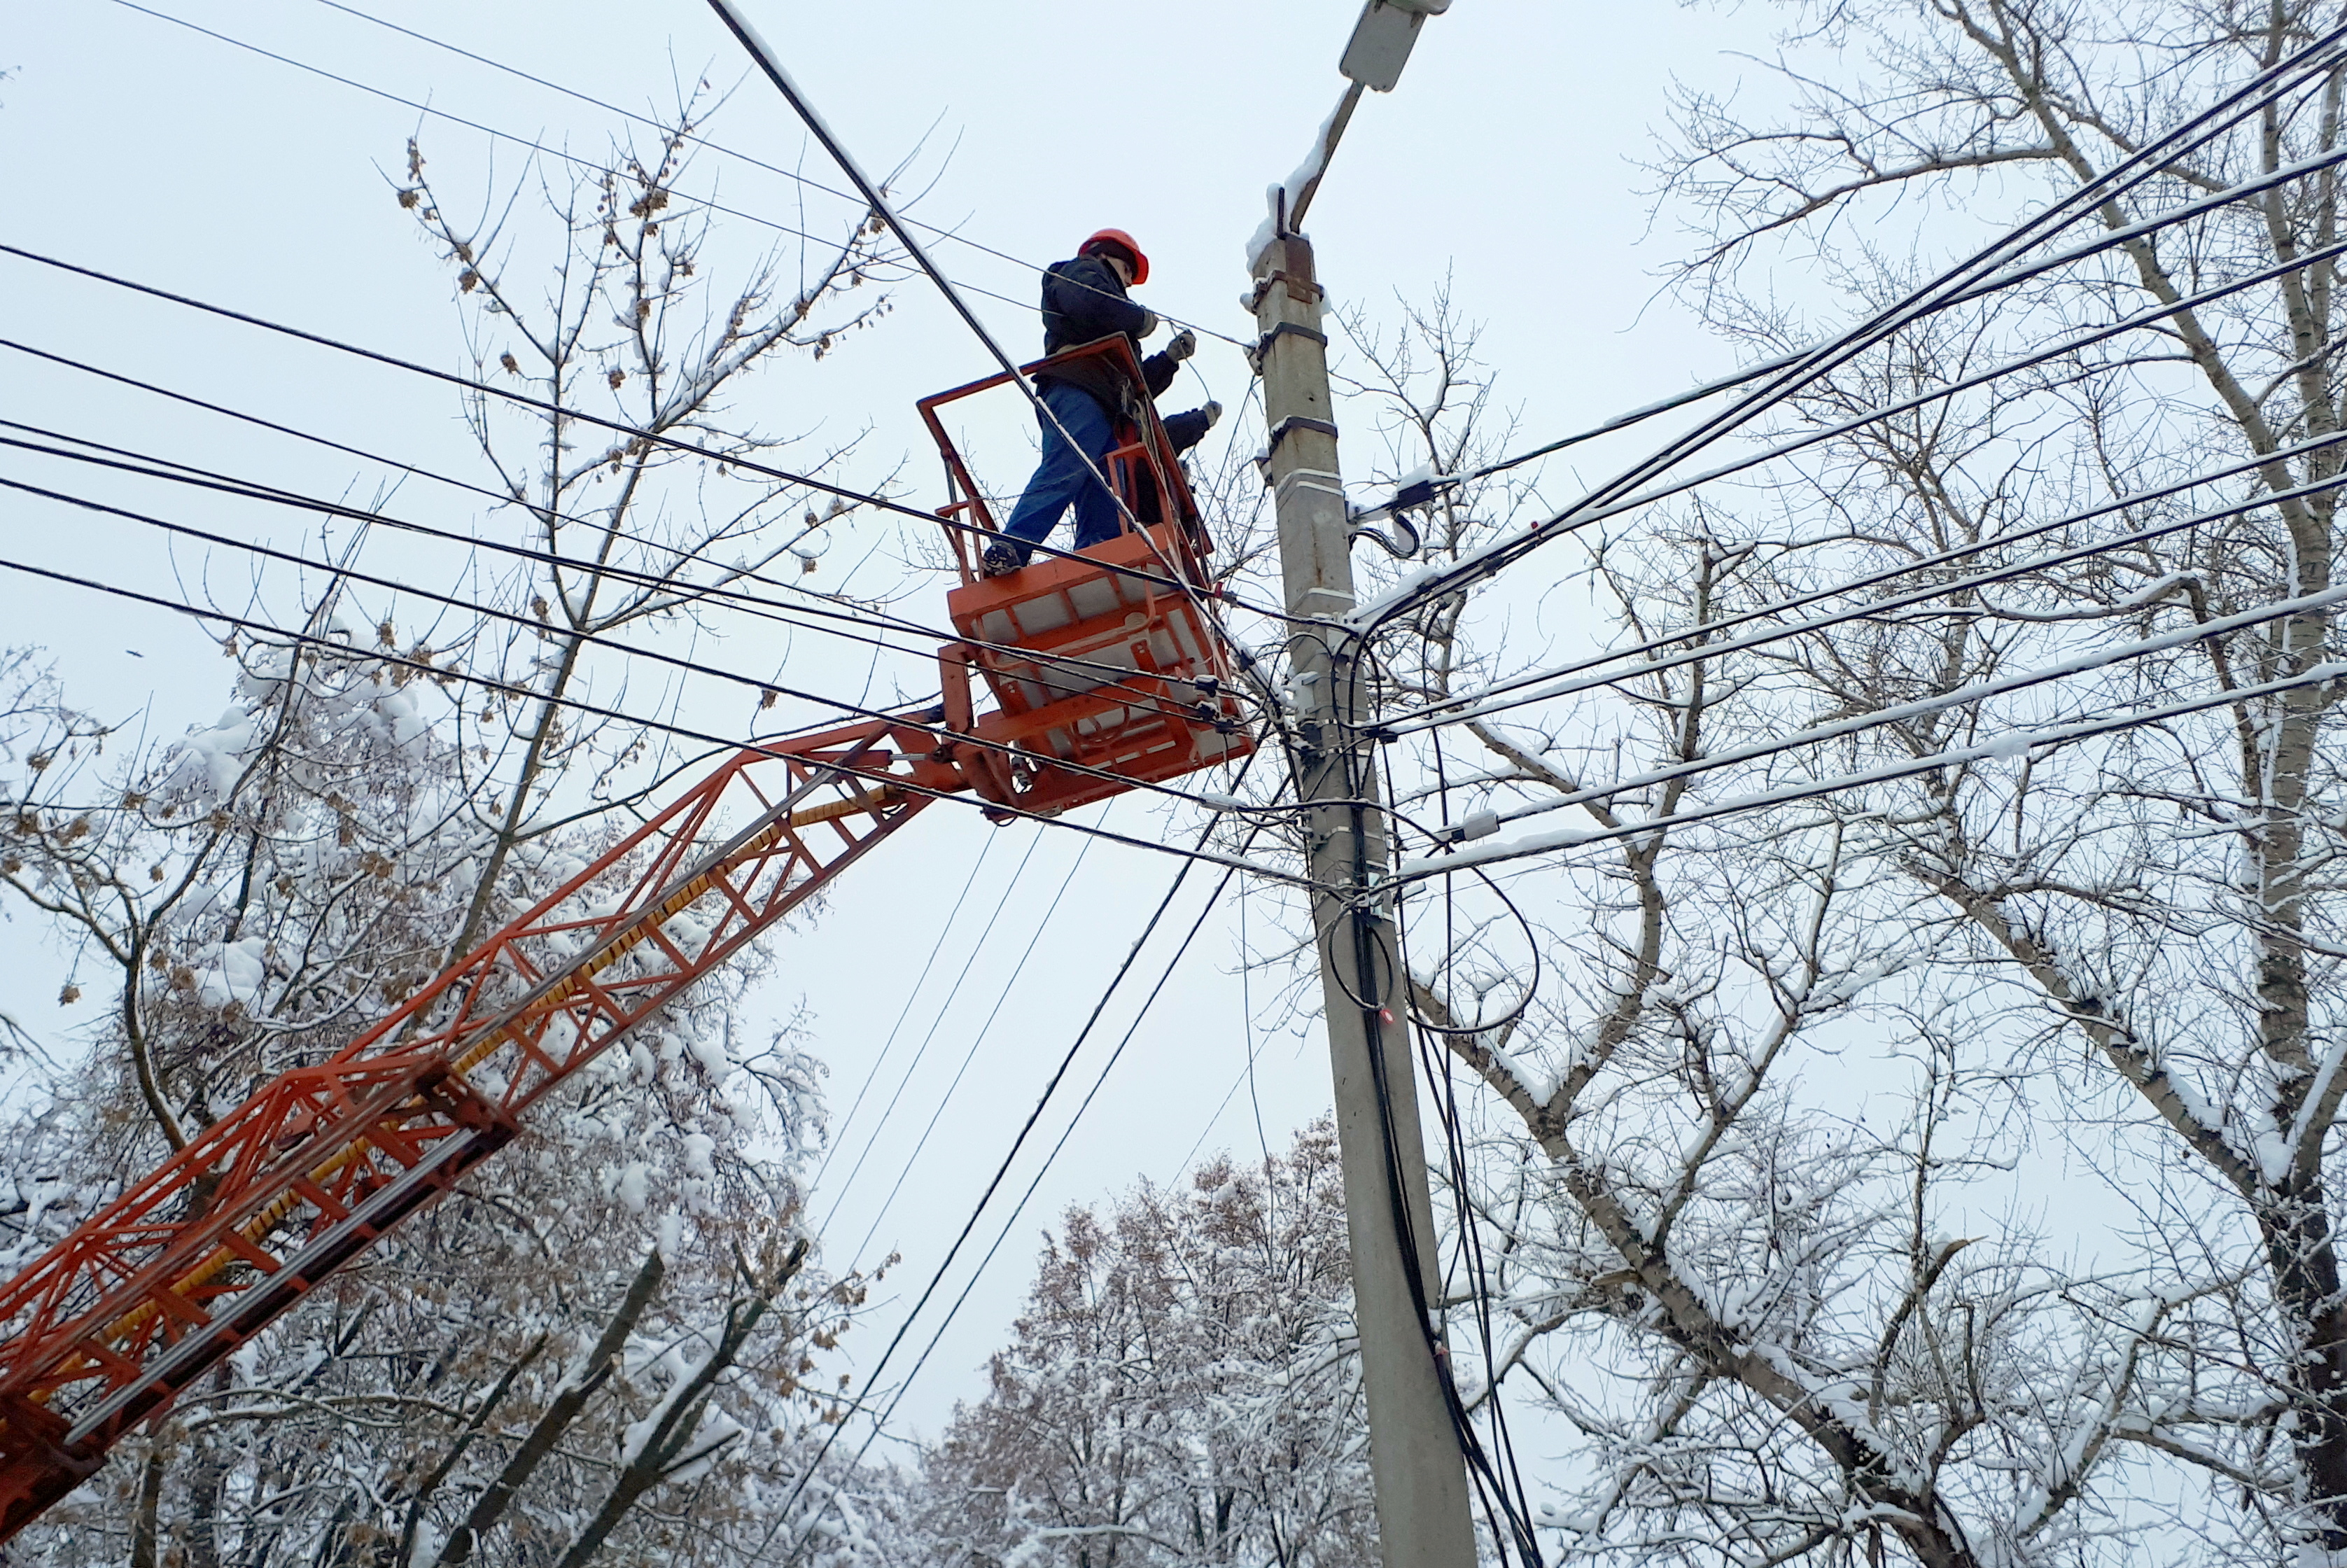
(1382, 39)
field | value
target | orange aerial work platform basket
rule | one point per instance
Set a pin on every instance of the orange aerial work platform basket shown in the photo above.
(1110, 658)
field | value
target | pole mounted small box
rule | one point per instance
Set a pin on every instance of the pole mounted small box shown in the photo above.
(1382, 39)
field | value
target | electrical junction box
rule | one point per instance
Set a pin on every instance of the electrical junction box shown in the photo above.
(1382, 39)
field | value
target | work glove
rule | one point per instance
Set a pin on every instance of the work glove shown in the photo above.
(1189, 427)
(1148, 323)
(1184, 344)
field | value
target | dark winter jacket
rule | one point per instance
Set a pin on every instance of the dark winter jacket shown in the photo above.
(1083, 301)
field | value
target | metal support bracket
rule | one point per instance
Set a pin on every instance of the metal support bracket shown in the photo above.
(1279, 433)
(1263, 344)
(1298, 287)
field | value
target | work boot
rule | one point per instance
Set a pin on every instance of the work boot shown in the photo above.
(1001, 558)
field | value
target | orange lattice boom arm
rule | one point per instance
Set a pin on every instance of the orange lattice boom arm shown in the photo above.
(200, 1255)
(1109, 669)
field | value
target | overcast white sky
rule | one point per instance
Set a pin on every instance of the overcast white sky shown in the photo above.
(1502, 163)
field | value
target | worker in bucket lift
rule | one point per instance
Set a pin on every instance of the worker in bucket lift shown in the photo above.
(1084, 301)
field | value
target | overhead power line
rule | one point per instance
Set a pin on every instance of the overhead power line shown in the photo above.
(835, 1136)
(2011, 743)
(1620, 422)
(818, 608)
(976, 1039)
(1035, 1183)
(1994, 265)
(469, 384)
(1963, 697)
(1499, 1468)
(566, 156)
(1441, 483)
(1002, 1171)
(953, 235)
(801, 617)
(560, 154)
(769, 62)
(945, 1007)
(600, 710)
(657, 438)
(854, 626)
(761, 684)
(1658, 654)
(497, 498)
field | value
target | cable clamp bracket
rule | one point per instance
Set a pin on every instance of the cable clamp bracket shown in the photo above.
(1301, 289)
(1281, 431)
(1481, 825)
(1263, 344)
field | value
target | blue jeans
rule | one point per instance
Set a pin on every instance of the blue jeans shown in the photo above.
(1064, 477)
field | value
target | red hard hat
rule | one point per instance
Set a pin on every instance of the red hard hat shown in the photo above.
(1124, 241)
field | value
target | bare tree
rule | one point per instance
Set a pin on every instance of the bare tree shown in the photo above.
(605, 1342)
(1937, 1169)
(1180, 1388)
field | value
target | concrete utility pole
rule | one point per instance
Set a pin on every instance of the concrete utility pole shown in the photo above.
(1414, 1454)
